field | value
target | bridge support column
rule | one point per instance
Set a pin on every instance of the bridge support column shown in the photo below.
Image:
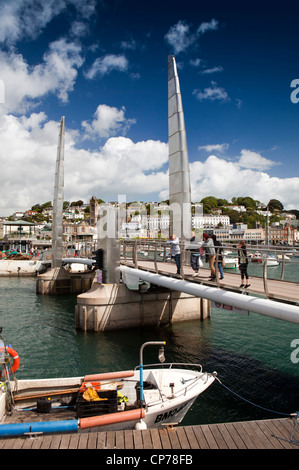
(113, 307)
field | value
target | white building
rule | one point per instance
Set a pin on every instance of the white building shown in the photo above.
(206, 221)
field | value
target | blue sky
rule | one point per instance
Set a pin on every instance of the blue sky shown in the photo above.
(103, 65)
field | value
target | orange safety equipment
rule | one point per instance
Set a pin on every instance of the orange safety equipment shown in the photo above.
(15, 357)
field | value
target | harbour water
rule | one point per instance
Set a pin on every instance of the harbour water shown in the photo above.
(252, 354)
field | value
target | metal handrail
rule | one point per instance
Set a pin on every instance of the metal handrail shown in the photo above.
(154, 249)
(171, 364)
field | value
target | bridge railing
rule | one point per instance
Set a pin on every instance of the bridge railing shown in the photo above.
(134, 251)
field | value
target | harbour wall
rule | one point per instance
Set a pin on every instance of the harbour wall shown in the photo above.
(113, 306)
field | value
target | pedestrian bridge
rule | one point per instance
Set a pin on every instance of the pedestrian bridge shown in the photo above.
(150, 262)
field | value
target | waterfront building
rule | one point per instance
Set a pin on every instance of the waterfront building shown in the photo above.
(254, 235)
(210, 221)
(17, 235)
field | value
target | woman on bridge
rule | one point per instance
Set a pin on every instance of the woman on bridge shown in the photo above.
(243, 263)
(175, 251)
(208, 245)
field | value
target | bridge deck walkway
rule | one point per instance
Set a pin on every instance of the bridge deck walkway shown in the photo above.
(284, 291)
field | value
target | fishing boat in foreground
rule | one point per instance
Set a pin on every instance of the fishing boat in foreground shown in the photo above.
(149, 396)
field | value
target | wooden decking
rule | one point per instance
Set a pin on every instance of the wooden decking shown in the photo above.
(266, 434)
(279, 290)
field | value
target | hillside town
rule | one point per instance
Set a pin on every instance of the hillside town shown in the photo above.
(31, 231)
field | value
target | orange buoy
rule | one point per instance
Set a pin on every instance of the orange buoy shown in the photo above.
(109, 375)
(112, 418)
(15, 357)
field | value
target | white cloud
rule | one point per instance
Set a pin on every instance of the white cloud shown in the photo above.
(107, 122)
(25, 85)
(212, 93)
(208, 26)
(254, 160)
(180, 36)
(28, 157)
(214, 147)
(195, 62)
(217, 69)
(138, 169)
(27, 19)
(226, 179)
(128, 45)
(23, 18)
(104, 65)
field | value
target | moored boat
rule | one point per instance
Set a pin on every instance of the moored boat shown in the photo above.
(230, 263)
(19, 264)
(149, 396)
(271, 260)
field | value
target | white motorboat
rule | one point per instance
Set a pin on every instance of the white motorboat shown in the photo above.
(20, 268)
(271, 260)
(230, 263)
(147, 397)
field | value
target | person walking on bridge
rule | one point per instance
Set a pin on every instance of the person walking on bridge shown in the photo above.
(175, 251)
(208, 245)
(195, 259)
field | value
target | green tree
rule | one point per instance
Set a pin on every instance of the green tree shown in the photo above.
(275, 205)
(209, 203)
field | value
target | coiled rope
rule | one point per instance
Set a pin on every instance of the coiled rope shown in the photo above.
(296, 414)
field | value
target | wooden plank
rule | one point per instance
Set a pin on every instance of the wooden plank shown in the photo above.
(156, 440)
(244, 436)
(285, 429)
(290, 425)
(191, 437)
(174, 438)
(276, 444)
(65, 439)
(110, 440)
(129, 441)
(209, 437)
(119, 440)
(280, 433)
(101, 441)
(263, 441)
(264, 434)
(56, 440)
(147, 440)
(137, 438)
(165, 442)
(92, 441)
(37, 441)
(74, 441)
(184, 443)
(200, 437)
(8, 443)
(83, 440)
(237, 439)
(46, 442)
(27, 444)
(224, 437)
(218, 436)
(275, 431)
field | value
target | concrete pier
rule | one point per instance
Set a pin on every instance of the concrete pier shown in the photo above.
(114, 306)
(59, 281)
